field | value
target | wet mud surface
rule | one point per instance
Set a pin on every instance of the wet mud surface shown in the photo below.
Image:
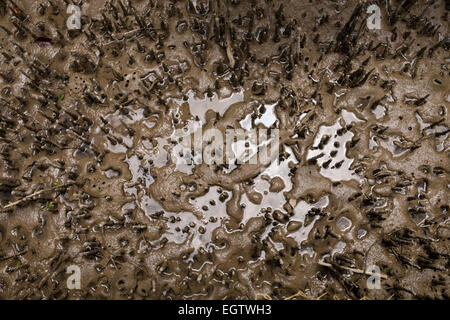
(87, 126)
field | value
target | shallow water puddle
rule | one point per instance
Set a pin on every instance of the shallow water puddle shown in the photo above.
(379, 111)
(268, 118)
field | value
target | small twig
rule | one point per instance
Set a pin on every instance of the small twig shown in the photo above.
(360, 271)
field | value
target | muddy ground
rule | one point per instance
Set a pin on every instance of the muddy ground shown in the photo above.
(86, 132)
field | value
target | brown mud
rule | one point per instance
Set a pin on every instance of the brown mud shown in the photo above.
(87, 122)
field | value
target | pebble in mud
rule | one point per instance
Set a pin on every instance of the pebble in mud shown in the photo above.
(88, 149)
